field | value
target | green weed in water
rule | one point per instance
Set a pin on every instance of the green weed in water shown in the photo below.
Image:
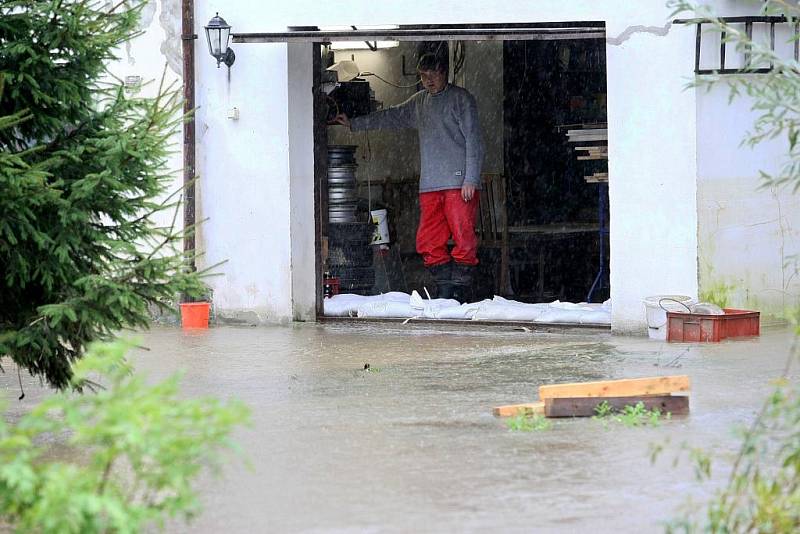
(635, 415)
(527, 422)
(602, 410)
(369, 369)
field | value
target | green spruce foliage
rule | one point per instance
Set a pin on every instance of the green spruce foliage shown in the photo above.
(133, 451)
(82, 165)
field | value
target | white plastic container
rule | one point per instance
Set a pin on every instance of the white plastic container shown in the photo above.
(656, 308)
(380, 218)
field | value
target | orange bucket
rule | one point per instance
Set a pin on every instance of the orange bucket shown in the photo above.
(195, 314)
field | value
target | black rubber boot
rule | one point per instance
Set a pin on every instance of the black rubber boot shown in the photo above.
(461, 279)
(441, 275)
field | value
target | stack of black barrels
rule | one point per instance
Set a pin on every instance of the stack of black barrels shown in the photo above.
(342, 194)
(349, 251)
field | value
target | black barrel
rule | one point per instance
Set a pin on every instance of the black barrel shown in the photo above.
(350, 256)
(342, 194)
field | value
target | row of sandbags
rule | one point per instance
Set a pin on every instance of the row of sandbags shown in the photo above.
(403, 305)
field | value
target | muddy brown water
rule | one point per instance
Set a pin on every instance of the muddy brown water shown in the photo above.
(413, 446)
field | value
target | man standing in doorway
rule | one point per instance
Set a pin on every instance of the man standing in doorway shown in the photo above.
(451, 154)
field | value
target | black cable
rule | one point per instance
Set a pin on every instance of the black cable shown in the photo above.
(387, 81)
(459, 55)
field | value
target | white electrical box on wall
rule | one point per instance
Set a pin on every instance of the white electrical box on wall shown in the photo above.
(233, 114)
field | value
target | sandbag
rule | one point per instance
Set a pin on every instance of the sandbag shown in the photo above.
(344, 305)
(386, 309)
(560, 315)
(465, 311)
(599, 316)
(430, 308)
(348, 304)
(500, 309)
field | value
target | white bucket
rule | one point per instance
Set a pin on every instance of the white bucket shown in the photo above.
(381, 235)
(656, 308)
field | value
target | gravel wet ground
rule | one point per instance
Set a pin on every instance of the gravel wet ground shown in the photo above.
(413, 446)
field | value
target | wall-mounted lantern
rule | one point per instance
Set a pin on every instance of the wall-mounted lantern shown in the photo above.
(218, 34)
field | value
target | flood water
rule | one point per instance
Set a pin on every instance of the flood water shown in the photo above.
(414, 446)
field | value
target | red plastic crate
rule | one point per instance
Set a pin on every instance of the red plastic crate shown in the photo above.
(687, 327)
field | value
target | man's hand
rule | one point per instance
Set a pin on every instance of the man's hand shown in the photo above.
(467, 192)
(342, 119)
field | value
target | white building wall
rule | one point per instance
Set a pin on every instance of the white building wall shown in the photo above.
(256, 175)
(153, 55)
(652, 169)
(244, 179)
(245, 168)
(256, 215)
(749, 236)
(301, 178)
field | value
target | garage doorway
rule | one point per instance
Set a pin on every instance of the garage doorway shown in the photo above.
(543, 218)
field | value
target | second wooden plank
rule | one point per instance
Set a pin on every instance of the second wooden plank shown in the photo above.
(587, 406)
(530, 408)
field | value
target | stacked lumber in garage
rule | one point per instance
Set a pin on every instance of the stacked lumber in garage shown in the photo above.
(596, 178)
(581, 399)
(592, 152)
(592, 141)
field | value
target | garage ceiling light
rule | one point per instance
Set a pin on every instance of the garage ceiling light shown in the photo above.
(363, 45)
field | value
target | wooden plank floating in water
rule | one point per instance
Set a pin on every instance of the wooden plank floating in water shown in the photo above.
(586, 406)
(661, 385)
(530, 408)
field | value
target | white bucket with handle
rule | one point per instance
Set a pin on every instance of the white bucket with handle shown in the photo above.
(656, 308)
(381, 222)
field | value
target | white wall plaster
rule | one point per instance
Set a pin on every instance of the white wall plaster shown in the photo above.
(171, 46)
(631, 30)
(652, 172)
(301, 169)
(749, 236)
(142, 58)
(244, 170)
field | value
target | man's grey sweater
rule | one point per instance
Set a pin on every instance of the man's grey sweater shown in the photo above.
(450, 143)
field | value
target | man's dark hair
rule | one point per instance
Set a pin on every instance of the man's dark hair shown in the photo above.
(432, 62)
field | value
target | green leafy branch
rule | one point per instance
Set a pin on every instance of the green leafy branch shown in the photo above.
(138, 449)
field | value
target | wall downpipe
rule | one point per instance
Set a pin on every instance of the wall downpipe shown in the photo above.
(188, 37)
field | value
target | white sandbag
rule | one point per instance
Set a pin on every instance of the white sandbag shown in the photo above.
(500, 309)
(430, 308)
(344, 305)
(347, 304)
(507, 302)
(598, 316)
(395, 296)
(386, 309)
(465, 311)
(560, 315)
(557, 304)
(402, 305)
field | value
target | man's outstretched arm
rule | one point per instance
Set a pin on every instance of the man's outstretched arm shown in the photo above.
(397, 117)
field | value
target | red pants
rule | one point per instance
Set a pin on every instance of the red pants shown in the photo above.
(444, 214)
